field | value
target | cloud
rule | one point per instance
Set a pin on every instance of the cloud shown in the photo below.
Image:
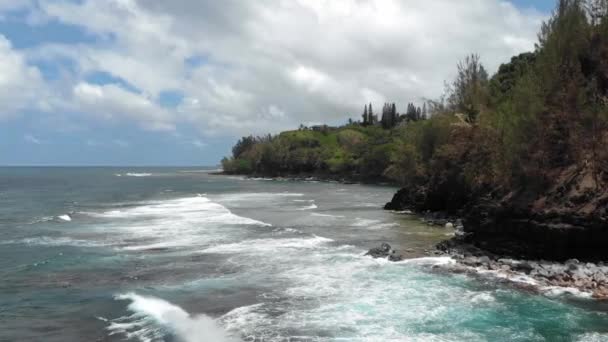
(32, 139)
(264, 66)
(111, 102)
(197, 143)
(121, 143)
(113, 142)
(21, 85)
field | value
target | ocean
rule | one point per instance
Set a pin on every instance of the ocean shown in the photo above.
(177, 254)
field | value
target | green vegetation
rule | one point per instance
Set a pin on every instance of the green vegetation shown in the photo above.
(543, 112)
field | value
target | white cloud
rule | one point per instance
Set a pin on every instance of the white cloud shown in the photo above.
(113, 142)
(197, 143)
(21, 85)
(32, 139)
(270, 65)
(121, 143)
(112, 102)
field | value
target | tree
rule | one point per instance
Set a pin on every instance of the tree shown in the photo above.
(469, 89)
(424, 115)
(243, 145)
(371, 119)
(394, 116)
(365, 116)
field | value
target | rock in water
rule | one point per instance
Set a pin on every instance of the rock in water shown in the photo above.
(449, 225)
(384, 251)
(379, 252)
(394, 256)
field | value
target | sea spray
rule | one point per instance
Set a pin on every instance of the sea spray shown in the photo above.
(151, 316)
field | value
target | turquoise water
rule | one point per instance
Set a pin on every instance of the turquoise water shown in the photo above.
(160, 254)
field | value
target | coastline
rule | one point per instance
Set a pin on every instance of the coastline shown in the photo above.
(582, 279)
(313, 176)
(571, 276)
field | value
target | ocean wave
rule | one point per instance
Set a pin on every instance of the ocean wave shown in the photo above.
(593, 337)
(255, 196)
(268, 245)
(432, 261)
(385, 225)
(138, 174)
(155, 319)
(65, 217)
(42, 219)
(169, 224)
(309, 207)
(199, 209)
(361, 222)
(524, 279)
(327, 215)
(53, 241)
(133, 174)
(558, 291)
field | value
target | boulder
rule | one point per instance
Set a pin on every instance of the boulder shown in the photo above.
(394, 256)
(385, 251)
(380, 252)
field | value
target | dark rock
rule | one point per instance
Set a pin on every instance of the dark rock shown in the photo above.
(385, 251)
(394, 256)
(380, 252)
(524, 266)
(484, 260)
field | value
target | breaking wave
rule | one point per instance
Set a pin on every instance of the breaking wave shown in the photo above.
(269, 245)
(155, 319)
(133, 174)
(53, 241)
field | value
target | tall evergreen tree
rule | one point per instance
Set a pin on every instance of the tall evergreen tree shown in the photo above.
(469, 91)
(424, 114)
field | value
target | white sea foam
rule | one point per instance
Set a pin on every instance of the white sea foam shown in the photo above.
(65, 217)
(361, 222)
(175, 223)
(512, 277)
(327, 215)
(521, 278)
(309, 207)
(593, 337)
(138, 174)
(269, 245)
(54, 241)
(557, 291)
(385, 225)
(253, 196)
(433, 261)
(483, 297)
(153, 318)
(199, 209)
(42, 219)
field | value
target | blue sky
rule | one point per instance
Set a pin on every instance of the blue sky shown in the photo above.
(127, 82)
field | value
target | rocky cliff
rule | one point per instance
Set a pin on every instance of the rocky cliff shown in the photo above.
(568, 219)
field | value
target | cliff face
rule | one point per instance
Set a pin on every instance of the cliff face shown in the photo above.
(569, 219)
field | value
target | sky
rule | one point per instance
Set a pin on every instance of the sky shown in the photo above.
(156, 82)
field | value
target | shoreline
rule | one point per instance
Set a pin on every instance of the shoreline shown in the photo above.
(574, 277)
(581, 279)
(312, 177)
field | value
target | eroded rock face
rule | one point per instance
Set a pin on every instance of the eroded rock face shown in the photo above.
(385, 251)
(566, 219)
